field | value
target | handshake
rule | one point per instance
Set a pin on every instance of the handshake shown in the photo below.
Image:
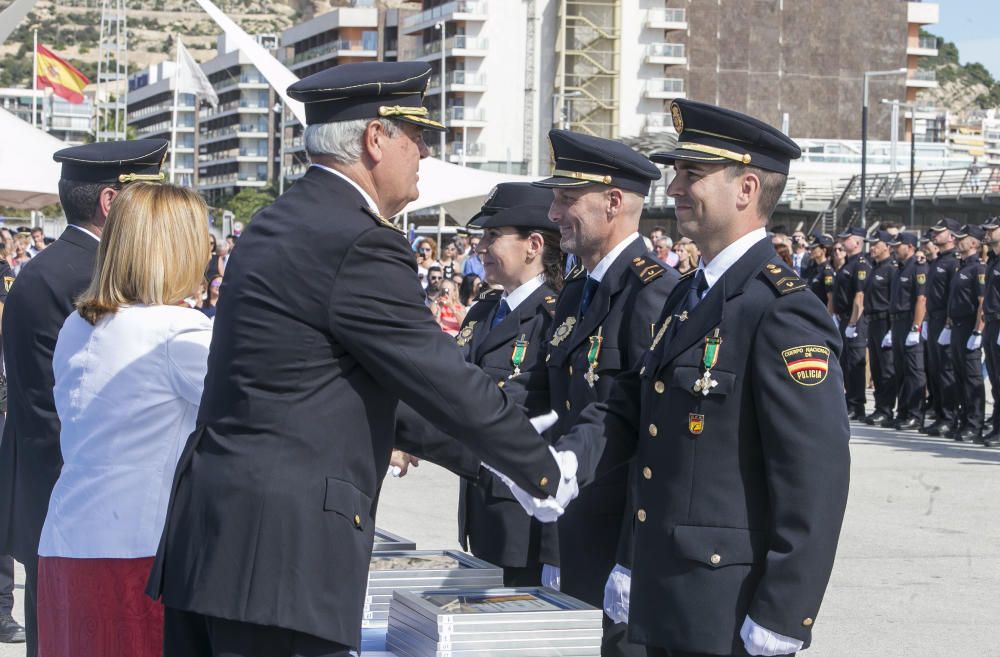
(547, 510)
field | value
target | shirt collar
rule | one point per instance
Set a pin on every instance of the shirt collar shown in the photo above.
(364, 194)
(605, 264)
(84, 230)
(726, 258)
(523, 291)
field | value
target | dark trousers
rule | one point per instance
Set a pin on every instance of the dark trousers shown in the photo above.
(968, 366)
(6, 584)
(186, 634)
(911, 379)
(992, 353)
(661, 652)
(31, 605)
(940, 372)
(883, 368)
(530, 575)
(615, 641)
(852, 363)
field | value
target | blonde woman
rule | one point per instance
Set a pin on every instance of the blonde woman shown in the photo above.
(129, 367)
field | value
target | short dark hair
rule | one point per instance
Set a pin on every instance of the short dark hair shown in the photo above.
(79, 199)
(772, 186)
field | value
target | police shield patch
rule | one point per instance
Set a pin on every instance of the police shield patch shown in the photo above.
(696, 423)
(7, 282)
(807, 365)
(921, 279)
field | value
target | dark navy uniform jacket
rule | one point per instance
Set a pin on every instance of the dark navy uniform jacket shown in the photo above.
(851, 279)
(623, 311)
(879, 284)
(273, 505)
(991, 292)
(491, 523)
(742, 491)
(967, 285)
(821, 280)
(910, 283)
(940, 273)
(39, 301)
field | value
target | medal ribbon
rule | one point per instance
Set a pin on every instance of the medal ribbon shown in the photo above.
(517, 356)
(712, 345)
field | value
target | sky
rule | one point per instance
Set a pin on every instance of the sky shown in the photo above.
(973, 26)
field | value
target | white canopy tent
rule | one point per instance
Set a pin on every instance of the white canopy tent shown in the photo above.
(29, 178)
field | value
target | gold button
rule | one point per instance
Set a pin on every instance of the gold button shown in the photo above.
(357, 520)
(659, 387)
(567, 404)
(715, 559)
(544, 481)
(807, 622)
(652, 430)
(641, 515)
(571, 370)
(500, 383)
(647, 473)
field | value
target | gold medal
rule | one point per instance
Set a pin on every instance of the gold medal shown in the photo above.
(563, 331)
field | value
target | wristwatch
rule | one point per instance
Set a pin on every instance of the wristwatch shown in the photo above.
(914, 329)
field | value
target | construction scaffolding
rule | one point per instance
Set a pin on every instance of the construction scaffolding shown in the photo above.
(111, 99)
(588, 54)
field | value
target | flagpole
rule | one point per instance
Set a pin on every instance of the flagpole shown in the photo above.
(34, 79)
(173, 122)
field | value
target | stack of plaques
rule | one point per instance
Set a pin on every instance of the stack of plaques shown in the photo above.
(387, 541)
(492, 622)
(419, 570)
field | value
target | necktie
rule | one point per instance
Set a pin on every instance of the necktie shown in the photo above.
(698, 287)
(589, 290)
(502, 311)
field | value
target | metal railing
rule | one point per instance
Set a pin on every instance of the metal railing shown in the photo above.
(457, 42)
(665, 50)
(924, 74)
(327, 48)
(927, 42)
(665, 85)
(459, 77)
(476, 7)
(666, 16)
(472, 149)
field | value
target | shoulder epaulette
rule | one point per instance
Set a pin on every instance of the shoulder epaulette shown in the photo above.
(489, 295)
(575, 273)
(783, 281)
(688, 274)
(381, 220)
(549, 303)
(647, 270)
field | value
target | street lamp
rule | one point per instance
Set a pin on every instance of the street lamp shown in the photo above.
(864, 132)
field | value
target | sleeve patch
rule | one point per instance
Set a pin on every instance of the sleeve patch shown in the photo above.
(808, 365)
(861, 274)
(921, 279)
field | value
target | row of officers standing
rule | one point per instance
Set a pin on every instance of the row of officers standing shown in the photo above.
(921, 312)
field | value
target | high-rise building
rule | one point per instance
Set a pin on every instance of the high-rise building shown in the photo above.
(151, 115)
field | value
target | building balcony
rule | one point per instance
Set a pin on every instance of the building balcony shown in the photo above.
(468, 152)
(666, 53)
(667, 19)
(665, 88)
(924, 47)
(243, 82)
(233, 107)
(459, 45)
(921, 78)
(458, 117)
(922, 13)
(457, 81)
(334, 50)
(457, 10)
(659, 122)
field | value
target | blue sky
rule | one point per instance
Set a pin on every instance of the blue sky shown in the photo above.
(974, 26)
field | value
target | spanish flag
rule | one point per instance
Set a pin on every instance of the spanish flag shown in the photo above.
(62, 77)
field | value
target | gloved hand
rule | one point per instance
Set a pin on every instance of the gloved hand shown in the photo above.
(550, 576)
(974, 342)
(944, 339)
(913, 338)
(616, 594)
(542, 423)
(761, 641)
(923, 330)
(851, 332)
(887, 340)
(547, 510)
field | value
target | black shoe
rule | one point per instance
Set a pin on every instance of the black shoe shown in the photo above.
(991, 439)
(855, 416)
(936, 429)
(908, 423)
(883, 420)
(10, 630)
(930, 416)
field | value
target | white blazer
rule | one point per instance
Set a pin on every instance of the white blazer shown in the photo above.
(127, 394)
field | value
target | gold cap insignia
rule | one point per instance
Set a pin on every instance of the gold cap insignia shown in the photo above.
(675, 114)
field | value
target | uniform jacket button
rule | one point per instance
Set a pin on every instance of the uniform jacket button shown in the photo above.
(652, 430)
(357, 520)
(544, 481)
(567, 405)
(715, 559)
(641, 515)
(647, 473)
(659, 387)
(571, 370)
(807, 622)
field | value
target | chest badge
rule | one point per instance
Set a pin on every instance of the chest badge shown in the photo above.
(659, 334)
(465, 335)
(563, 331)
(921, 279)
(517, 356)
(713, 343)
(696, 423)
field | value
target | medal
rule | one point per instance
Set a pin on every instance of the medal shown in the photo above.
(517, 356)
(563, 331)
(592, 354)
(463, 338)
(713, 343)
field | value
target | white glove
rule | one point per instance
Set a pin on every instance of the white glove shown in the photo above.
(944, 339)
(913, 338)
(550, 576)
(761, 641)
(616, 593)
(887, 340)
(541, 423)
(974, 342)
(548, 510)
(851, 332)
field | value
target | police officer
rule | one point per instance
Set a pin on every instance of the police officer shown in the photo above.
(940, 372)
(38, 303)
(848, 307)
(269, 534)
(991, 329)
(877, 298)
(965, 329)
(820, 274)
(739, 508)
(907, 308)
(504, 334)
(603, 326)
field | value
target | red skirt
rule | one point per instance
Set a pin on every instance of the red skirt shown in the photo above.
(97, 608)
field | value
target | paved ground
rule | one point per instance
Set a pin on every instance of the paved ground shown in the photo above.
(918, 572)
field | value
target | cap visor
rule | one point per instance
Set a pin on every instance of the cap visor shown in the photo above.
(669, 157)
(426, 124)
(562, 181)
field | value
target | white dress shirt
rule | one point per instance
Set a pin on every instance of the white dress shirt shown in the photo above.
(728, 256)
(605, 264)
(522, 292)
(127, 392)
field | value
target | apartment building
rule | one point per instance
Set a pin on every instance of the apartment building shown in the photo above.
(70, 122)
(150, 114)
